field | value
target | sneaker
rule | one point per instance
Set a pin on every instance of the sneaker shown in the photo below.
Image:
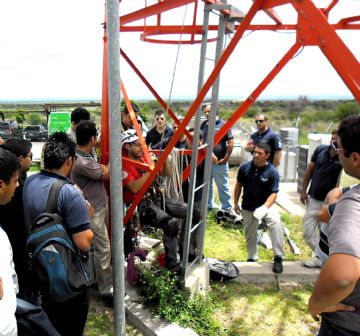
(215, 206)
(315, 262)
(277, 266)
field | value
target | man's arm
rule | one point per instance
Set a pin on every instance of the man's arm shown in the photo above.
(237, 193)
(337, 280)
(83, 239)
(307, 178)
(332, 197)
(134, 186)
(277, 157)
(229, 149)
(270, 200)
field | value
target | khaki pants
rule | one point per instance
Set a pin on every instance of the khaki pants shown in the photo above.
(274, 225)
(101, 256)
(311, 224)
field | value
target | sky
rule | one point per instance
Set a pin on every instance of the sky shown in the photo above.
(52, 50)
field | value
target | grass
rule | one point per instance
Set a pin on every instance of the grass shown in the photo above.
(251, 310)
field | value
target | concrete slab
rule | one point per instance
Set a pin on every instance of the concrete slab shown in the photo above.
(142, 318)
(261, 273)
(289, 199)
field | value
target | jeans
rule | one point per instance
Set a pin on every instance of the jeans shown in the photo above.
(220, 174)
(69, 317)
(329, 329)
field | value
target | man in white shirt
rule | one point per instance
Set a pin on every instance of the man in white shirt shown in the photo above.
(9, 175)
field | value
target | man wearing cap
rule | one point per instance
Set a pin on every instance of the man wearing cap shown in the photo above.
(155, 209)
(267, 135)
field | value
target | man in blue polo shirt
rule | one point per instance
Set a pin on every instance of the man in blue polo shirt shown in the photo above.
(67, 317)
(259, 181)
(220, 166)
(267, 135)
(322, 173)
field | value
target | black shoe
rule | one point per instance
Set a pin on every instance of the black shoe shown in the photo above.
(251, 260)
(277, 266)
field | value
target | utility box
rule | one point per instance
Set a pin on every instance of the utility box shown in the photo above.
(302, 165)
(287, 167)
(289, 138)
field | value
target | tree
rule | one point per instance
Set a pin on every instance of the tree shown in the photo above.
(20, 118)
(346, 109)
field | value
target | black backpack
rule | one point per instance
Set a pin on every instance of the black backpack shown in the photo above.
(59, 268)
(221, 270)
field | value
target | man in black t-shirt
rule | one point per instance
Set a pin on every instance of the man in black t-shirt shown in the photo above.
(322, 174)
(159, 136)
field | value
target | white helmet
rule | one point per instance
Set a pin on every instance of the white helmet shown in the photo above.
(129, 136)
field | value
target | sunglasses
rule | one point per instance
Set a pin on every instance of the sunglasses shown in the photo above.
(334, 145)
(160, 118)
(259, 121)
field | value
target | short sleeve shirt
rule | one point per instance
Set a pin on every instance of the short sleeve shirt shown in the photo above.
(87, 174)
(71, 203)
(7, 274)
(153, 137)
(326, 172)
(269, 137)
(344, 238)
(258, 184)
(220, 149)
(132, 174)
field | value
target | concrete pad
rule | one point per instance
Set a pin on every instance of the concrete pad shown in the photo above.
(141, 318)
(289, 199)
(198, 279)
(261, 273)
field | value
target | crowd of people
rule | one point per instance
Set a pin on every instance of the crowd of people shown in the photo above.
(329, 224)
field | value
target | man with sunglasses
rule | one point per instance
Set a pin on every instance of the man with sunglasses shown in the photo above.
(336, 296)
(322, 173)
(267, 135)
(159, 136)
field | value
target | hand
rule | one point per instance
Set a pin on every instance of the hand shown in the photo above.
(104, 169)
(261, 212)
(90, 209)
(237, 209)
(214, 159)
(304, 198)
(222, 161)
(331, 309)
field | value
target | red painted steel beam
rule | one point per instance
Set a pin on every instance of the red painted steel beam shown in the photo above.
(200, 97)
(248, 102)
(164, 105)
(160, 7)
(332, 46)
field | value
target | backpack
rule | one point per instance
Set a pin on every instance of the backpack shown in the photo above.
(59, 268)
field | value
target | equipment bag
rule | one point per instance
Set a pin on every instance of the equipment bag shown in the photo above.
(221, 270)
(61, 270)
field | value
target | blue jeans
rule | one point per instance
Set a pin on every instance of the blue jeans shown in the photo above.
(329, 329)
(220, 173)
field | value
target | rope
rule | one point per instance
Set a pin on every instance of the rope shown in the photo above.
(173, 183)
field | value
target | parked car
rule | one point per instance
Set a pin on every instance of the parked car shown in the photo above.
(35, 133)
(10, 128)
